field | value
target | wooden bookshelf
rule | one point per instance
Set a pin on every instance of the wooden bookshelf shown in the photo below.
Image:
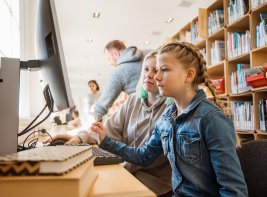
(255, 56)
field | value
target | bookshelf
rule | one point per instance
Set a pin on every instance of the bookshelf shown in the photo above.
(242, 50)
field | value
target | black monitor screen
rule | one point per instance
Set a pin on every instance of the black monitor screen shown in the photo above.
(50, 53)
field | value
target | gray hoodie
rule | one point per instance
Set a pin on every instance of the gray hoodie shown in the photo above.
(123, 78)
(133, 125)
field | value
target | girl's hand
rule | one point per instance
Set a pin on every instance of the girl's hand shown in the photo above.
(66, 137)
(98, 128)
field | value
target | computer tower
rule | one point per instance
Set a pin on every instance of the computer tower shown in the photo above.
(9, 104)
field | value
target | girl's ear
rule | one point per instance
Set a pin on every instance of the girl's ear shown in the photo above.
(191, 74)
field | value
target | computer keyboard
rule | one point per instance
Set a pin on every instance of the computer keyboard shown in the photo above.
(104, 157)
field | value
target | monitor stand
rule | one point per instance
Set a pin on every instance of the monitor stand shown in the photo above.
(9, 104)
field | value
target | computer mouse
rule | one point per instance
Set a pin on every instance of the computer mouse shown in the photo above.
(56, 142)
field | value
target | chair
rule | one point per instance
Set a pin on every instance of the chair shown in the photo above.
(253, 160)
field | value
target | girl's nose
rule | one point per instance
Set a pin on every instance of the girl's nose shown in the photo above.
(157, 77)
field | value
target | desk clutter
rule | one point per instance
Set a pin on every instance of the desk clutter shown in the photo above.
(48, 171)
(50, 160)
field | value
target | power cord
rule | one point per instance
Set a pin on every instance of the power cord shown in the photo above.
(33, 142)
(49, 104)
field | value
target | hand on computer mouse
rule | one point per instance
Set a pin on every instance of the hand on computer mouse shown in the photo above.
(74, 140)
(63, 136)
(57, 142)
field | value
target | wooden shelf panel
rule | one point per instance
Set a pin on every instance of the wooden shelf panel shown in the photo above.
(260, 89)
(241, 58)
(261, 8)
(218, 4)
(218, 35)
(244, 94)
(216, 69)
(201, 44)
(240, 24)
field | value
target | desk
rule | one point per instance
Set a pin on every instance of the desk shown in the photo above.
(114, 180)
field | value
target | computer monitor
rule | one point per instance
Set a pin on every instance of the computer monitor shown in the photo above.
(50, 53)
(50, 60)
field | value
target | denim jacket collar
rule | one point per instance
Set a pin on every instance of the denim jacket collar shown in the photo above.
(200, 95)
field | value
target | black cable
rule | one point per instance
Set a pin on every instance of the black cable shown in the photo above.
(23, 145)
(27, 128)
(49, 104)
(44, 131)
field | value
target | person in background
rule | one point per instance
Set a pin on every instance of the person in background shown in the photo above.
(76, 122)
(94, 93)
(195, 135)
(128, 64)
(133, 124)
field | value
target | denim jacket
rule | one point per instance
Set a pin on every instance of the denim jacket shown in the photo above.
(200, 145)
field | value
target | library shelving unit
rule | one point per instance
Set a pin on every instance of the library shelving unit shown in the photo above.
(239, 26)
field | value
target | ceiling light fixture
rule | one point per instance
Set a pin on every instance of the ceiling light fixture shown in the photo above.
(89, 40)
(169, 20)
(186, 3)
(147, 42)
(96, 14)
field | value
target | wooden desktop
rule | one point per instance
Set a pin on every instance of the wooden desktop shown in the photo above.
(112, 180)
(116, 181)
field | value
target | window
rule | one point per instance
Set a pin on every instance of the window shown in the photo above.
(10, 29)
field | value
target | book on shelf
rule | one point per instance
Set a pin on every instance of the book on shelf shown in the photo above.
(55, 160)
(238, 43)
(195, 38)
(242, 115)
(219, 85)
(239, 79)
(263, 114)
(77, 183)
(261, 31)
(217, 51)
(215, 21)
(236, 9)
(204, 53)
(257, 3)
(185, 36)
(257, 77)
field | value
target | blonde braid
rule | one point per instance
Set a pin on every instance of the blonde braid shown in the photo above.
(200, 64)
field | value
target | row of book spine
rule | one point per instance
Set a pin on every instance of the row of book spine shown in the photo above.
(263, 114)
(217, 51)
(236, 9)
(195, 38)
(215, 21)
(185, 36)
(256, 3)
(238, 43)
(204, 53)
(242, 115)
(261, 31)
(238, 79)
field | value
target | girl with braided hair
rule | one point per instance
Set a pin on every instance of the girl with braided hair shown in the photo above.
(194, 133)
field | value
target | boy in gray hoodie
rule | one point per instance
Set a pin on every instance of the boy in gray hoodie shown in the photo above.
(128, 63)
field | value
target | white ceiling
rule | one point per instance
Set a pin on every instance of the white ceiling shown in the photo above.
(133, 21)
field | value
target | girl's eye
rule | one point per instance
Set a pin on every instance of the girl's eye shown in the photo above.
(146, 69)
(164, 70)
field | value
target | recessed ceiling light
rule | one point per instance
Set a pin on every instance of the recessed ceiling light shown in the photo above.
(96, 14)
(169, 20)
(85, 55)
(89, 40)
(147, 42)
